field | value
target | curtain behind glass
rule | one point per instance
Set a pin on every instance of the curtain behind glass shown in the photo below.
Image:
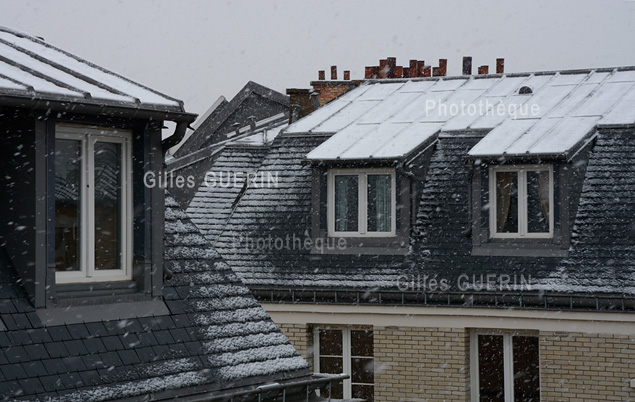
(538, 201)
(379, 203)
(506, 202)
(346, 203)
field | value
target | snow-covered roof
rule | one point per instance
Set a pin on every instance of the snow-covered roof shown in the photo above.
(213, 336)
(389, 119)
(33, 69)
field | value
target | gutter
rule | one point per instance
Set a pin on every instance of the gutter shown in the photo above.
(275, 391)
(182, 119)
(117, 110)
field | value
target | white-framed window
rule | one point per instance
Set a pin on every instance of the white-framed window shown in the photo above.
(521, 201)
(350, 351)
(93, 204)
(505, 366)
(361, 202)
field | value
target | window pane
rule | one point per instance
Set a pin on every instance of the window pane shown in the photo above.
(331, 365)
(362, 343)
(362, 370)
(337, 392)
(538, 207)
(379, 203)
(506, 202)
(108, 200)
(364, 392)
(526, 369)
(490, 368)
(346, 203)
(330, 342)
(67, 204)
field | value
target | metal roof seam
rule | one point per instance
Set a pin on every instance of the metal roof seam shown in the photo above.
(69, 71)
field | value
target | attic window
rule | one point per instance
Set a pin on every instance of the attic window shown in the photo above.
(521, 201)
(525, 91)
(361, 202)
(92, 205)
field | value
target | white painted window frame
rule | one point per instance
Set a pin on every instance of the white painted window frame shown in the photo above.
(346, 355)
(508, 361)
(362, 201)
(88, 136)
(521, 170)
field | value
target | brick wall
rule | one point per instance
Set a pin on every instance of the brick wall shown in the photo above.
(432, 364)
(417, 364)
(330, 90)
(589, 367)
(301, 337)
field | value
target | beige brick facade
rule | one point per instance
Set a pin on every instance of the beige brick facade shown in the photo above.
(586, 367)
(432, 364)
(421, 364)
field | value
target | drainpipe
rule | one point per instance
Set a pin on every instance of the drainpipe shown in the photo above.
(179, 133)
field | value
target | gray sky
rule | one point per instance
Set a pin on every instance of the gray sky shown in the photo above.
(199, 50)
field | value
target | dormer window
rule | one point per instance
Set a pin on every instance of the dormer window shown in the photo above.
(93, 215)
(521, 201)
(361, 202)
(525, 91)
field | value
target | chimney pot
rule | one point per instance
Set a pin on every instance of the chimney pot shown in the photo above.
(398, 71)
(334, 72)
(347, 75)
(500, 66)
(321, 75)
(436, 72)
(426, 71)
(483, 70)
(467, 65)
(406, 72)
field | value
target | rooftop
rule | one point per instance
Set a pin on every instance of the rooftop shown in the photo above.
(553, 114)
(32, 69)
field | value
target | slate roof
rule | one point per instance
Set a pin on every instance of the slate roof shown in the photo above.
(32, 69)
(252, 100)
(285, 210)
(389, 119)
(234, 168)
(216, 337)
(600, 258)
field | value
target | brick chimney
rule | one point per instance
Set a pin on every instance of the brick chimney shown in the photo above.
(326, 90)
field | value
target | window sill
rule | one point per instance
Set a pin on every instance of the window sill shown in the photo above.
(394, 245)
(519, 249)
(102, 312)
(98, 293)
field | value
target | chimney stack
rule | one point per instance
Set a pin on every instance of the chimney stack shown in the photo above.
(383, 68)
(443, 67)
(500, 66)
(321, 75)
(412, 70)
(467, 65)
(421, 65)
(371, 72)
(391, 62)
(347, 75)
(483, 70)
(334, 72)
